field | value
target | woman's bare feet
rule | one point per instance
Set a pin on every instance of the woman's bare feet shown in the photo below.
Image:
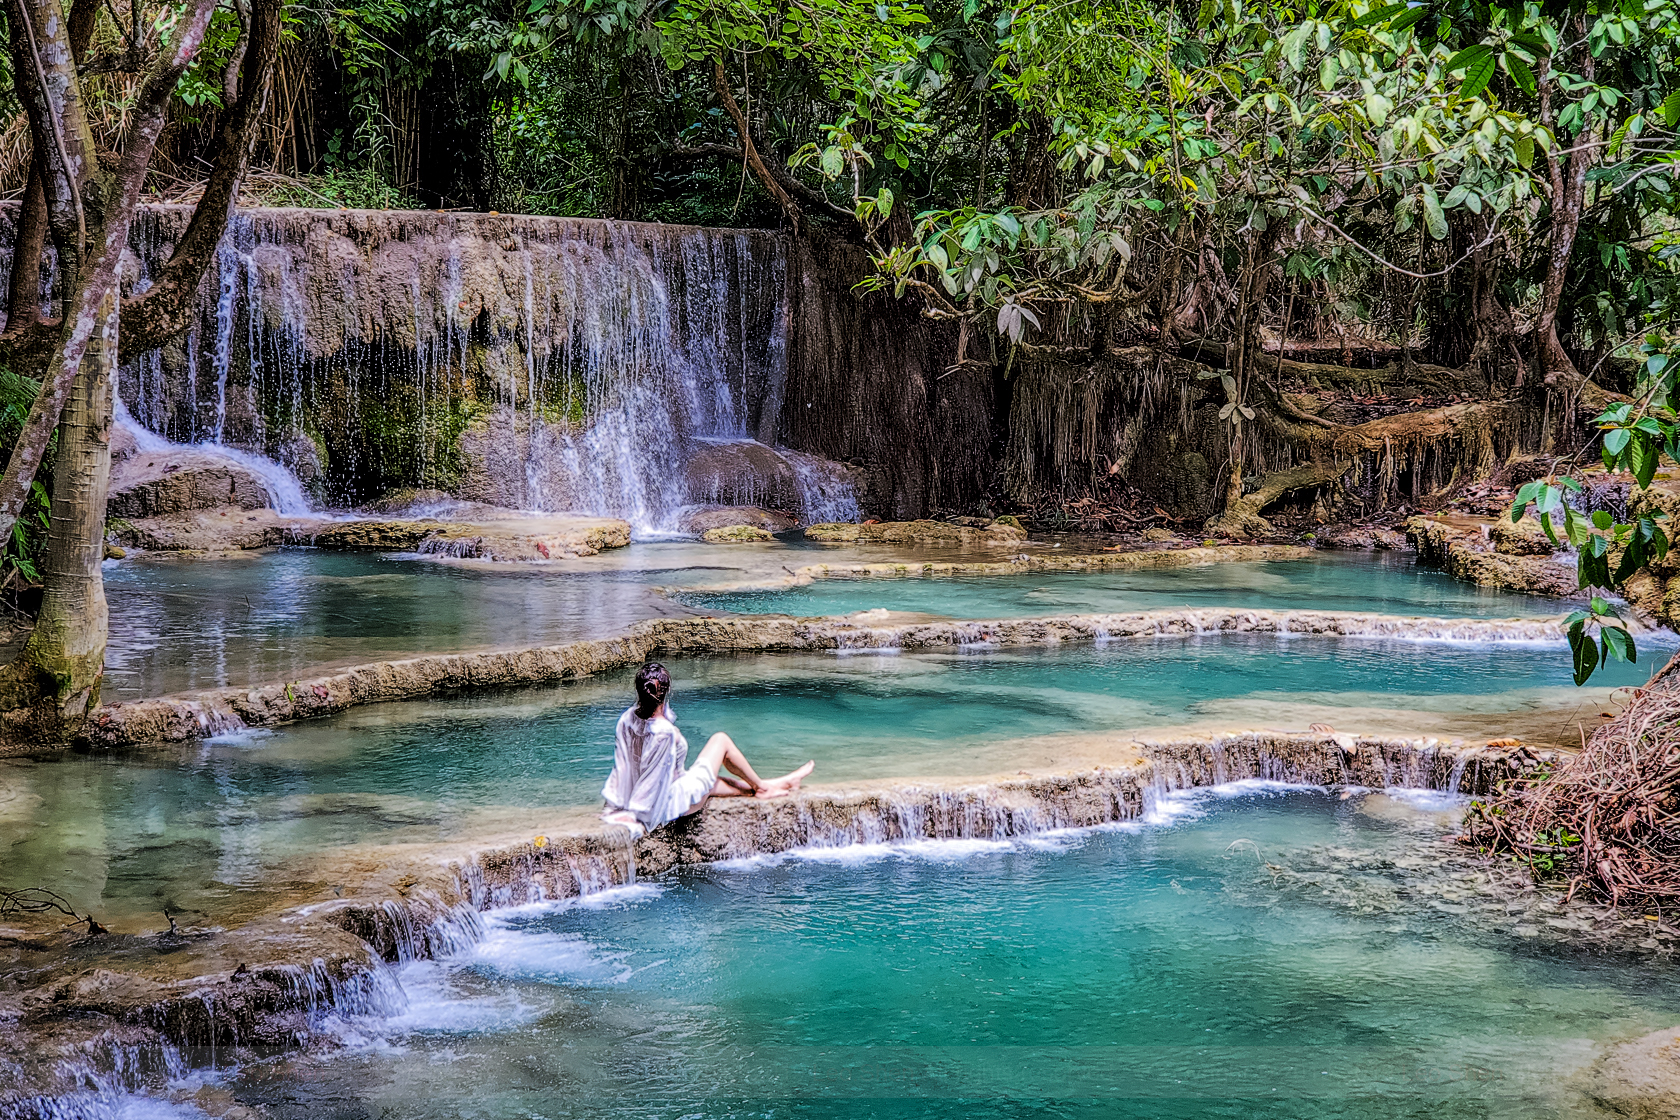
(786, 784)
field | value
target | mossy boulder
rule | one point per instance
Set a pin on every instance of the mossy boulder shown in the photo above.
(916, 532)
(728, 534)
(1520, 538)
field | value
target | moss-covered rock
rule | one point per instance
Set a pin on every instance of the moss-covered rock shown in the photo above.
(1460, 547)
(728, 534)
(916, 532)
(1520, 538)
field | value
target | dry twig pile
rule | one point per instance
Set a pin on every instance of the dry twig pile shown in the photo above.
(1608, 819)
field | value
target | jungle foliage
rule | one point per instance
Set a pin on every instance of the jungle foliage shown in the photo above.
(1492, 186)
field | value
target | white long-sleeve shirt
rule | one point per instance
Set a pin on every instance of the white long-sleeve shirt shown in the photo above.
(647, 766)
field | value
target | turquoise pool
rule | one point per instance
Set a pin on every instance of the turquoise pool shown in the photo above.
(1280, 954)
(1384, 583)
(210, 829)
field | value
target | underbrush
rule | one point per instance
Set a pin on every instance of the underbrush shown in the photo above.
(1606, 820)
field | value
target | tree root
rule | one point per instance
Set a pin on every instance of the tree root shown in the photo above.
(1242, 517)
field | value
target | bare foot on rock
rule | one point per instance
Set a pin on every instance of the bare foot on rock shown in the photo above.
(787, 783)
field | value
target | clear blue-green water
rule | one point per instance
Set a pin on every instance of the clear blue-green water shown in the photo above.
(280, 615)
(1283, 954)
(208, 829)
(1384, 583)
(183, 625)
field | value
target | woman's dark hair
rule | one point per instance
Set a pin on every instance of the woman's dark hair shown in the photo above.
(653, 684)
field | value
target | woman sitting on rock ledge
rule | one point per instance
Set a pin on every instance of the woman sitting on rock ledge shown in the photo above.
(649, 786)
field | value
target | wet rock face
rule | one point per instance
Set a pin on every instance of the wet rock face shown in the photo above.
(154, 483)
(1520, 538)
(704, 519)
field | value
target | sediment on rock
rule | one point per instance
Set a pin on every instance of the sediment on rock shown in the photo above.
(916, 532)
(1047, 561)
(1462, 549)
(172, 719)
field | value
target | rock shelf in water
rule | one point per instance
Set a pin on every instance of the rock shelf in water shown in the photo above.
(172, 719)
(509, 538)
(268, 981)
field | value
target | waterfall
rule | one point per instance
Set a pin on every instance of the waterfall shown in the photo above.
(544, 364)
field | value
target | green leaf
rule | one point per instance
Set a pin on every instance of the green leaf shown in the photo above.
(1524, 146)
(1433, 219)
(1616, 440)
(1585, 652)
(1379, 14)
(1412, 16)
(1644, 458)
(1519, 71)
(1601, 519)
(1618, 643)
(1477, 77)
(884, 201)
(1670, 109)
(1467, 57)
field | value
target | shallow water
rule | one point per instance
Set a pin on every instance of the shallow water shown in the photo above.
(1383, 583)
(215, 829)
(180, 625)
(1283, 956)
(177, 626)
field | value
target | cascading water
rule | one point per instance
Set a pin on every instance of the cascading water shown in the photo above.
(544, 364)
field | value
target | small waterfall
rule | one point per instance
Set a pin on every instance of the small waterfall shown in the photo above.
(285, 492)
(556, 365)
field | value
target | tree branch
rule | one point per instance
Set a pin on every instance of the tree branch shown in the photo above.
(91, 288)
(720, 82)
(810, 195)
(165, 309)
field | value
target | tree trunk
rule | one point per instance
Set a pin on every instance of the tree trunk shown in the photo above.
(23, 300)
(1567, 178)
(49, 689)
(755, 163)
(106, 207)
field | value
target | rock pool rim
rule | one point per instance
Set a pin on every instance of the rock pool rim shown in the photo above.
(135, 723)
(272, 980)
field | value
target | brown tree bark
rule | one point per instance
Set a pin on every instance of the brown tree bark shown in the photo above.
(23, 295)
(1567, 166)
(48, 690)
(50, 687)
(163, 310)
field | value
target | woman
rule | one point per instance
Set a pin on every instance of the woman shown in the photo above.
(649, 786)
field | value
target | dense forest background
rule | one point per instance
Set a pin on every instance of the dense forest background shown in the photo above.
(1471, 182)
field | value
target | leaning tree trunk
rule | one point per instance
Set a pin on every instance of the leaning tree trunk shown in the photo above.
(49, 689)
(46, 692)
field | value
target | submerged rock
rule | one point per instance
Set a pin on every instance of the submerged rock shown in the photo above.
(1641, 1079)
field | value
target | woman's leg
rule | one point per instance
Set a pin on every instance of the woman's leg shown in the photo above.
(721, 753)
